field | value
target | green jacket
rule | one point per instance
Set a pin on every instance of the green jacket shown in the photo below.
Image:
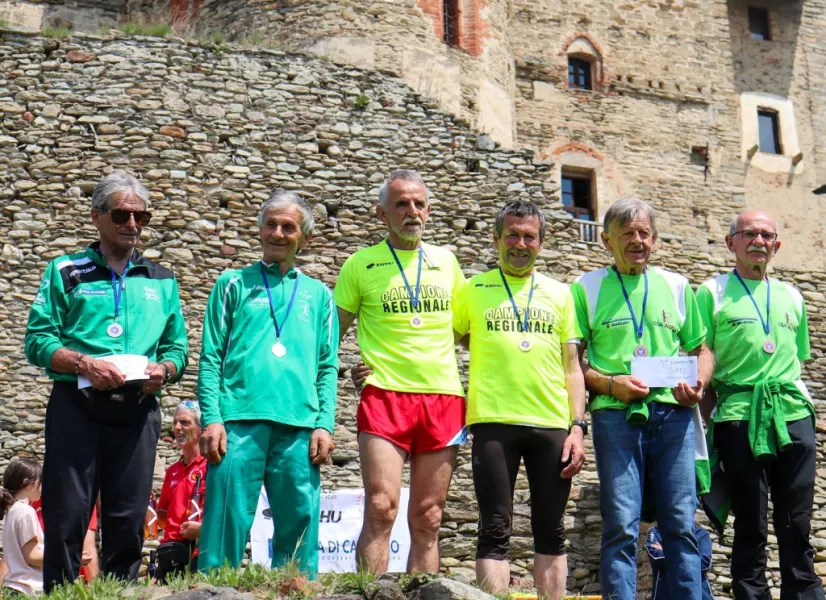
(241, 379)
(75, 304)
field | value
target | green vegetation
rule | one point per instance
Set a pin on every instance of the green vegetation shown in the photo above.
(347, 583)
(3, 23)
(362, 101)
(56, 32)
(148, 29)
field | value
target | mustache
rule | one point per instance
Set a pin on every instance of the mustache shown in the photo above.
(761, 249)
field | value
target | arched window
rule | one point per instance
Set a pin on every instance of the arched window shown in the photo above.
(585, 66)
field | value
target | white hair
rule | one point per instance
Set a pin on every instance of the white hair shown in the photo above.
(284, 198)
(625, 210)
(401, 175)
(119, 181)
(192, 407)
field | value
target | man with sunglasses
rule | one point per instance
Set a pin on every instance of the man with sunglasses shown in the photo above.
(763, 428)
(106, 300)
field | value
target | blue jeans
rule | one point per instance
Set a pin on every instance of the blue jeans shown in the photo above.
(662, 449)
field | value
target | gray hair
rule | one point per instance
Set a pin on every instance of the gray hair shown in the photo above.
(519, 209)
(281, 198)
(191, 406)
(118, 181)
(626, 210)
(401, 175)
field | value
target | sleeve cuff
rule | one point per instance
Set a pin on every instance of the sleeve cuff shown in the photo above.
(48, 352)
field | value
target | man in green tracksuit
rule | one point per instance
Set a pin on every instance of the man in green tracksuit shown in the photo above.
(763, 431)
(267, 387)
(107, 300)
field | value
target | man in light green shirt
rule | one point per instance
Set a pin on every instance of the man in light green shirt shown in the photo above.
(763, 427)
(643, 437)
(267, 387)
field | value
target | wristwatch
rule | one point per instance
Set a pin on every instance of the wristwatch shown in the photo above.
(581, 423)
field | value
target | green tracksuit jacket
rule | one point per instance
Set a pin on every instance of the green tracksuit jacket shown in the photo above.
(241, 379)
(75, 304)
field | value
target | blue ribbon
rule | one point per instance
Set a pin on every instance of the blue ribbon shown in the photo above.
(767, 321)
(278, 328)
(118, 282)
(638, 326)
(513, 302)
(413, 299)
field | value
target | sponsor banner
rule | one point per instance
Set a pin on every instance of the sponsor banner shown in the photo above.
(339, 526)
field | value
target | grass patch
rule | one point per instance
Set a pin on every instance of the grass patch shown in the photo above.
(347, 583)
(147, 29)
(3, 23)
(56, 32)
(362, 101)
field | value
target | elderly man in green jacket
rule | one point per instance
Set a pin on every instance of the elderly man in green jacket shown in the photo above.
(763, 430)
(267, 387)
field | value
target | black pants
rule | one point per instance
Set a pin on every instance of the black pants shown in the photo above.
(497, 451)
(85, 456)
(790, 477)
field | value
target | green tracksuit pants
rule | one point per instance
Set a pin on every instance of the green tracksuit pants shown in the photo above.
(279, 456)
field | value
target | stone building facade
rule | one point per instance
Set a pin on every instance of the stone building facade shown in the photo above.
(212, 131)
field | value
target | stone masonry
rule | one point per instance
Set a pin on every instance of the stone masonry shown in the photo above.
(211, 131)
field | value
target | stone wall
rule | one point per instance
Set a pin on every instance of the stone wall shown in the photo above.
(211, 132)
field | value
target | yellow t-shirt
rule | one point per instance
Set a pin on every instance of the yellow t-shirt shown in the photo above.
(507, 384)
(404, 358)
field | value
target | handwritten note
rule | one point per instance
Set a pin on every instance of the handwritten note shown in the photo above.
(131, 365)
(665, 371)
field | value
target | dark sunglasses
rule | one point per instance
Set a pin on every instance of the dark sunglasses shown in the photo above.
(121, 217)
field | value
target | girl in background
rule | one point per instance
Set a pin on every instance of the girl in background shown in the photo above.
(22, 534)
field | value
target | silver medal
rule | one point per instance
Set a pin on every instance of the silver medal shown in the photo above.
(525, 346)
(279, 349)
(416, 321)
(115, 330)
(769, 347)
(640, 351)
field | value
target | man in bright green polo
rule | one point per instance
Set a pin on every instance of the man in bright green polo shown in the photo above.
(763, 429)
(267, 387)
(644, 437)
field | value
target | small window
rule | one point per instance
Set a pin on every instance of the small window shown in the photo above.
(759, 23)
(769, 131)
(579, 73)
(450, 14)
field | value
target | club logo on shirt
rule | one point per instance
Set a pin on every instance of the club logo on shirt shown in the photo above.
(82, 271)
(432, 298)
(151, 293)
(504, 319)
(788, 323)
(737, 321)
(381, 264)
(664, 321)
(620, 322)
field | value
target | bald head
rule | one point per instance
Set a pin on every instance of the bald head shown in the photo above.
(749, 217)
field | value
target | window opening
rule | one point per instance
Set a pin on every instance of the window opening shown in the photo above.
(769, 131)
(759, 23)
(579, 73)
(450, 14)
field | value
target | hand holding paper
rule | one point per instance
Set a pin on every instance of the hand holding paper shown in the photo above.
(132, 366)
(665, 371)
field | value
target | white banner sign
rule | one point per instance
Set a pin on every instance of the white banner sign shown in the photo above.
(339, 526)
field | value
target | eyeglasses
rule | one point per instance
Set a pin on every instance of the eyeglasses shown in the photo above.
(121, 217)
(751, 234)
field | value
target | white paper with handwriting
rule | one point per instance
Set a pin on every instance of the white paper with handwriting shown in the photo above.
(665, 371)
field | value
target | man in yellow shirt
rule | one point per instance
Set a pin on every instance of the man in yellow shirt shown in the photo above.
(402, 291)
(526, 399)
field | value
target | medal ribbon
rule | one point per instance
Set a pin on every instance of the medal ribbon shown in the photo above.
(638, 326)
(413, 299)
(118, 282)
(278, 328)
(513, 301)
(765, 322)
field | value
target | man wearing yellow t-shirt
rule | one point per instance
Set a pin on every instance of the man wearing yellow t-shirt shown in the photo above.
(526, 399)
(412, 405)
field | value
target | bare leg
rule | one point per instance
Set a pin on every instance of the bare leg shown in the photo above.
(493, 576)
(430, 474)
(550, 574)
(381, 471)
